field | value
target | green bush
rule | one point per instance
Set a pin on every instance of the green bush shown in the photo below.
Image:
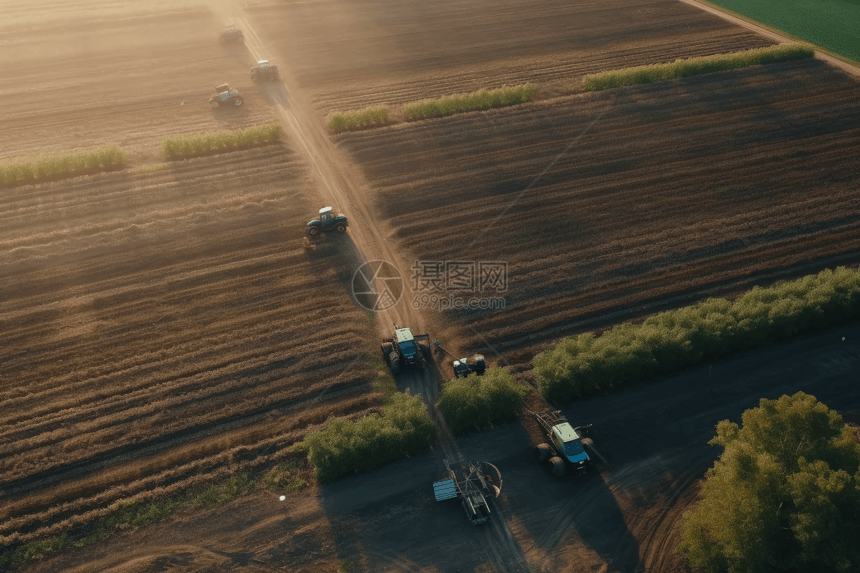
(343, 447)
(784, 495)
(583, 364)
(475, 401)
(174, 146)
(695, 66)
(30, 167)
(479, 100)
(338, 120)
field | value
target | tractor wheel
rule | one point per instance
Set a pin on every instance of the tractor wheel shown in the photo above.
(238, 102)
(255, 75)
(558, 468)
(387, 349)
(394, 363)
(543, 452)
(214, 104)
(313, 231)
(340, 228)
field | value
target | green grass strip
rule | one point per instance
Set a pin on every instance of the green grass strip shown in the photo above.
(479, 100)
(477, 401)
(344, 446)
(585, 364)
(696, 66)
(175, 146)
(34, 166)
(340, 120)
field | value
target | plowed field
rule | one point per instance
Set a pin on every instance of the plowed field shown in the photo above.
(151, 325)
(680, 190)
(158, 330)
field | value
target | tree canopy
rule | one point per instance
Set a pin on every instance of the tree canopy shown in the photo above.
(784, 495)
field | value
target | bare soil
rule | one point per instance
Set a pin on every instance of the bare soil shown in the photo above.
(164, 328)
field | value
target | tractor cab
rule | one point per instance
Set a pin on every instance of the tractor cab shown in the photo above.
(263, 64)
(568, 441)
(223, 91)
(326, 218)
(406, 342)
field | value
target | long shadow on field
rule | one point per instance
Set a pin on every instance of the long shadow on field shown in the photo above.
(655, 437)
(388, 519)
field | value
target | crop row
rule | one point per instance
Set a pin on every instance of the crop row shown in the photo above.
(586, 364)
(30, 167)
(176, 146)
(344, 446)
(435, 107)
(695, 66)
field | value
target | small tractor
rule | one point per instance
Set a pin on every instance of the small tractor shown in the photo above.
(465, 366)
(232, 36)
(327, 222)
(565, 445)
(472, 483)
(226, 96)
(404, 348)
(263, 72)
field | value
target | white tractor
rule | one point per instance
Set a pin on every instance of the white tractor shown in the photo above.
(264, 72)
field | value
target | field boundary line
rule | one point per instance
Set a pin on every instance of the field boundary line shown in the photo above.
(841, 62)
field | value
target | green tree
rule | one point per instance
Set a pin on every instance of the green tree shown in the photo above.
(784, 495)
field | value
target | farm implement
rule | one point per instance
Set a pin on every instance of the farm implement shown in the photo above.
(404, 348)
(474, 364)
(472, 483)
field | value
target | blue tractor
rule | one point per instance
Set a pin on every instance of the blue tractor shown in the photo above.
(327, 222)
(564, 449)
(404, 348)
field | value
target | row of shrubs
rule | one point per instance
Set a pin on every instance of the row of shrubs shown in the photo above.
(174, 146)
(477, 401)
(479, 100)
(586, 364)
(694, 66)
(438, 107)
(31, 167)
(344, 446)
(338, 120)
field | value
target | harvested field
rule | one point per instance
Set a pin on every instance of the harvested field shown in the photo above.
(351, 56)
(680, 190)
(163, 325)
(151, 325)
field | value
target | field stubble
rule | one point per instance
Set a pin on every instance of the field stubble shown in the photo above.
(161, 329)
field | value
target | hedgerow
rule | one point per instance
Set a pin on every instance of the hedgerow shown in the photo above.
(30, 167)
(174, 146)
(586, 364)
(479, 100)
(694, 66)
(475, 401)
(338, 120)
(343, 447)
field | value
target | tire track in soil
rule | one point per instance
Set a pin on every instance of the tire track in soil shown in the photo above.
(346, 187)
